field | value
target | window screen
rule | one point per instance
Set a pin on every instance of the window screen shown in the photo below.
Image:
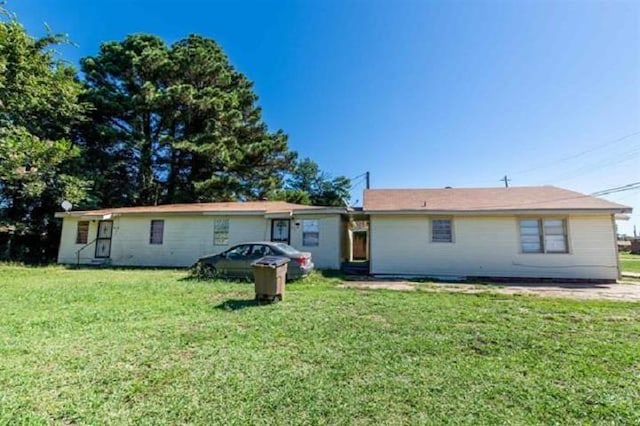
(310, 233)
(555, 236)
(531, 236)
(157, 231)
(543, 236)
(441, 231)
(221, 232)
(82, 236)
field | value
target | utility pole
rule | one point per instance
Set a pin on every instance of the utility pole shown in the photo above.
(506, 181)
(368, 175)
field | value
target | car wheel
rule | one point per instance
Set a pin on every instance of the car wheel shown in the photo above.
(209, 271)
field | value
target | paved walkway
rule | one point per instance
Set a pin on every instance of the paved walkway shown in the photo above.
(626, 290)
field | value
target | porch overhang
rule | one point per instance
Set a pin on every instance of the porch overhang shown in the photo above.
(86, 216)
(278, 215)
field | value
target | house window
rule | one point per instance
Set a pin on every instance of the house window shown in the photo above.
(221, 232)
(543, 236)
(531, 236)
(156, 232)
(310, 233)
(441, 231)
(82, 236)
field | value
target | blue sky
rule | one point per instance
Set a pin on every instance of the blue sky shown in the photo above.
(420, 93)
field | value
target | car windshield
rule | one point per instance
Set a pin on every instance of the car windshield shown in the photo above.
(287, 249)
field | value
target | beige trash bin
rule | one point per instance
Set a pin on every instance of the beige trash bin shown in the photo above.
(270, 277)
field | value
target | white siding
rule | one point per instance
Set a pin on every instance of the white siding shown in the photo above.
(185, 239)
(326, 255)
(188, 237)
(490, 246)
(67, 252)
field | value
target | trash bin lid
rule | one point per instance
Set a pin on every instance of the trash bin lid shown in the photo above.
(271, 261)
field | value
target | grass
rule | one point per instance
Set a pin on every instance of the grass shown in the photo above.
(630, 262)
(150, 347)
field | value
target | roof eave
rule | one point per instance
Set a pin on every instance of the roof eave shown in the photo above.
(305, 211)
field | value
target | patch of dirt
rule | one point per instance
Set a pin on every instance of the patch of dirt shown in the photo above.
(379, 285)
(624, 291)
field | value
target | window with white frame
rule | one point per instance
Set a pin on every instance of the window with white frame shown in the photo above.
(441, 231)
(221, 232)
(156, 232)
(544, 236)
(310, 233)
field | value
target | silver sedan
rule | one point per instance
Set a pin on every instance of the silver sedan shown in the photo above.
(236, 261)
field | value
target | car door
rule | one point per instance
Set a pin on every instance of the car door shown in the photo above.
(235, 261)
(258, 251)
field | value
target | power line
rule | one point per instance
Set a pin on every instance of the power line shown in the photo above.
(579, 154)
(366, 176)
(628, 187)
(359, 176)
(623, 188)
(632, 192)
(357, 182)
(595, 167)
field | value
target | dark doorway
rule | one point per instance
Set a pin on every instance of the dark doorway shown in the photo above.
(360, 245)
(103, 241)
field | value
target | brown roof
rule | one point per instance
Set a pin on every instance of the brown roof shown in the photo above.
(484, 199)
(235, 207)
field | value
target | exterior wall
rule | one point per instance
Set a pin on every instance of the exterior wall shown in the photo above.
(490, 246)
(67, 253)
(326, 255)
(186, 238)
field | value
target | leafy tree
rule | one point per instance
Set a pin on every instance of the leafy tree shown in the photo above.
(307, 184)
(333, 192)
(295, 196)
(39, 107)
(179, 124)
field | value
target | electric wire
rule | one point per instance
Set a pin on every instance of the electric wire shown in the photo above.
(623, 188)
(579, 154)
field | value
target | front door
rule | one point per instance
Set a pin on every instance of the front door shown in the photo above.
(280, 230)
(360, 245)
(103, 241)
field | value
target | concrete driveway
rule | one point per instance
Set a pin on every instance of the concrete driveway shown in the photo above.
(628, 291)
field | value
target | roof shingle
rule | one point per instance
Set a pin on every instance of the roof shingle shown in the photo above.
(484, 199)
(239, 207)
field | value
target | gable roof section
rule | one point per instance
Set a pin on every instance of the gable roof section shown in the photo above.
(543, 198)
(248, 207)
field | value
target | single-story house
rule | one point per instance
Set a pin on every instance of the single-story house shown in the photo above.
(517, 232)
(177, 234)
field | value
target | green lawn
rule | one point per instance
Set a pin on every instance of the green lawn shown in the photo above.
(143, 346)
(630, 262)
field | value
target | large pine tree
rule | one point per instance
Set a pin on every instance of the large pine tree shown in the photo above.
(176, 124)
